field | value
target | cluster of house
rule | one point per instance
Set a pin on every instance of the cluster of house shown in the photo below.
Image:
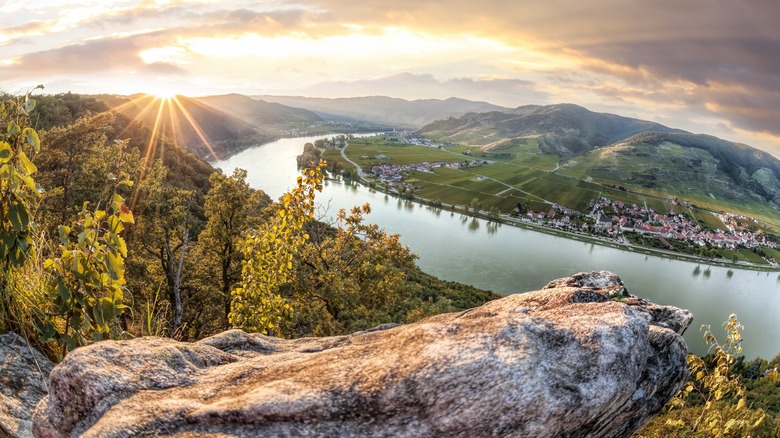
(559, 217)
(311, 129)
(615, 217)
(391, 173)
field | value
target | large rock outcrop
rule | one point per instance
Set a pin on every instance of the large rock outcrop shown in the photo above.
(24, 374)
(579, 358)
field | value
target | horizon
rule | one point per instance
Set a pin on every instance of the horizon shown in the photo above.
(705, 67)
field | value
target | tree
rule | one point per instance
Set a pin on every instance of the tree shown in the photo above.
(269, 253)
(67, 162)
(230, 206)
(164, 231)
(475, 205)
(351, 277)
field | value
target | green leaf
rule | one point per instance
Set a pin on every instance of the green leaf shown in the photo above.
(17, 214)
(32, 138)
(115, 225)
(64, 234)
(5, 152)
(27, 165)
(115, 266)
(97, 313)
(13, 128)
(30, 183)
(116, 201)
(118, 244)
(29, 105)
(108, 308)
(64, 292)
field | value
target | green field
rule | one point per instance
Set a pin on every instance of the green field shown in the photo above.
(521, 173)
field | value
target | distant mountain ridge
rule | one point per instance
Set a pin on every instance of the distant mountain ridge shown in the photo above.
(387, 111)
(258, 112)
(565, 129)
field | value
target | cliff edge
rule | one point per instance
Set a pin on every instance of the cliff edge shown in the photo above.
(580, 357)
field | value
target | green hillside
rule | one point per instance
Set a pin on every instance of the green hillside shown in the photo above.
(562, 129)
(586, 154)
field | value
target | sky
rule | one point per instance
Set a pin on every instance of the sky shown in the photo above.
(707, 66)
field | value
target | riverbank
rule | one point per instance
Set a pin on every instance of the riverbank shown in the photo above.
(505, 219)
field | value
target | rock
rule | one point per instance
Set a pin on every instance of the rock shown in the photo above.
(24, 374)
(563, 361)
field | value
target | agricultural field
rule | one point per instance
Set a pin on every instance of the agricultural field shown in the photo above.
(371, 151)
(517, 172)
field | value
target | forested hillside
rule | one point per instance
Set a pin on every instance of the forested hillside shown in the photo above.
(116, 231)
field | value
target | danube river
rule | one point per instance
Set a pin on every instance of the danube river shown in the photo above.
(509, 260)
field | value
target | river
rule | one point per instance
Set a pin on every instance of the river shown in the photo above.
(509, 260)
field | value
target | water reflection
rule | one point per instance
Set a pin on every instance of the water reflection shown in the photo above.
(474, 225)
(697, 271)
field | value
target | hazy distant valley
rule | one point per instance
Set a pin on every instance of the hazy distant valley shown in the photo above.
(539, 156)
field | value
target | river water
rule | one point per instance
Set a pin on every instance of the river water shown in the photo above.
(509, 260)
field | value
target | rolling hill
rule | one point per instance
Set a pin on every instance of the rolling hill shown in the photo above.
(258, 112)
(562, 129)
(213, 126)
(614, 151)
(387, 111)
(198, 127)
(707, 169)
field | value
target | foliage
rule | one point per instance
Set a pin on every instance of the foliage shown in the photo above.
(713, 402)
(18, 195)
(190, 223)
(350, 277)
(87, 278)
(76, 163)
(269, 253)
(231, 207)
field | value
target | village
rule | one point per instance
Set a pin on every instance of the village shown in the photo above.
(614, 218)
(391, 173)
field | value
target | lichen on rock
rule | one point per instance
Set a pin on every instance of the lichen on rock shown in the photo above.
(24, 374)
(568, 360)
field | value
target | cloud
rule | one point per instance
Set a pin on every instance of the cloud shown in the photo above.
(700, 59)
(659, 46)
(103, 55)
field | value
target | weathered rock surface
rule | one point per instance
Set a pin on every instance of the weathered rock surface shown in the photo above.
(24, 375)
(564, 361)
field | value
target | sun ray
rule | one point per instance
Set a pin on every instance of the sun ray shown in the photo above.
(173, 118)
(195, 126)
(138, 101)
(149, 148)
